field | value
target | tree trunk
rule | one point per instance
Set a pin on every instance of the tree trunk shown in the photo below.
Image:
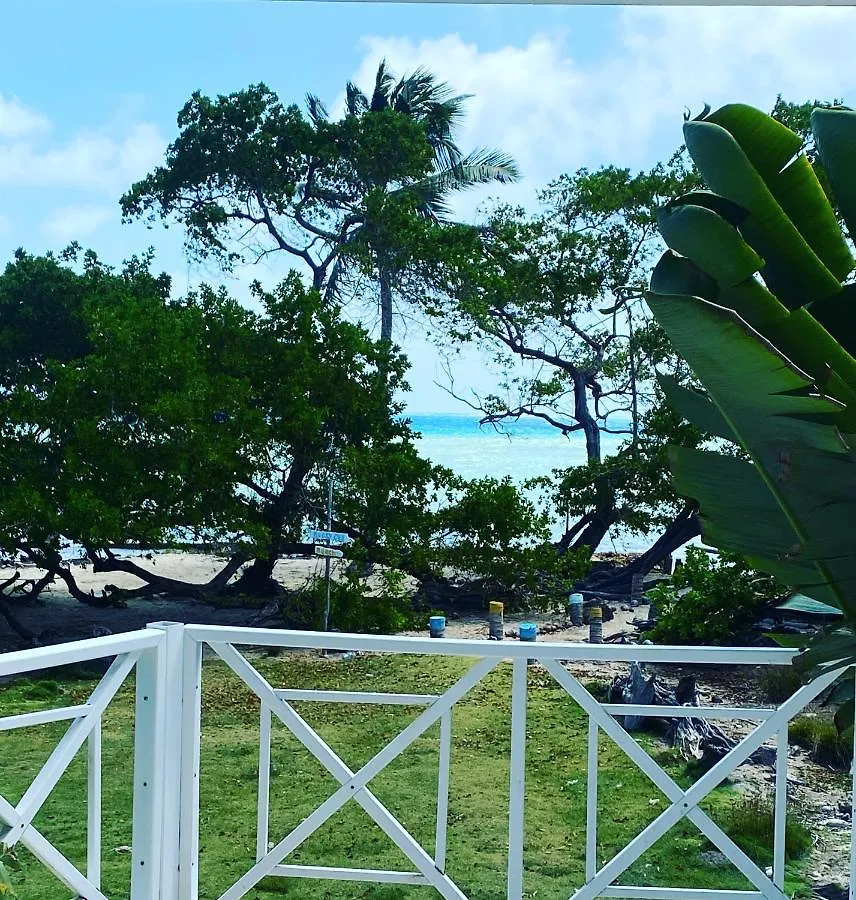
(683, 528)
(385, 304)
(695, 738)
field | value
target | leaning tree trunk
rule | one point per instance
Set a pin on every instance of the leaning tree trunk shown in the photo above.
(619, 582)
(385, 304)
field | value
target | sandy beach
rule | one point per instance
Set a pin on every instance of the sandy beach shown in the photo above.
(57, 615)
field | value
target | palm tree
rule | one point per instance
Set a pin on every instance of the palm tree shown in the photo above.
(432, 104)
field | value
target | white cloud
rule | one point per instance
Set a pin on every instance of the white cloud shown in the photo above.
(16, 120)
(77, 222)
(555, 112)
(96, 161)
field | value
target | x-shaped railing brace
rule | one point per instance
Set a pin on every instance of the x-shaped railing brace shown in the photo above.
(684, 803)
(353, 784)
(19, 819)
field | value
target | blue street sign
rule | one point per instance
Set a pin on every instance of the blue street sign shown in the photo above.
(330, 537)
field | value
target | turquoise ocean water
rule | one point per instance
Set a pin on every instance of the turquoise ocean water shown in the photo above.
(523, 450)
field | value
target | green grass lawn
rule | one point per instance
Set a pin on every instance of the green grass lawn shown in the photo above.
(477, 837)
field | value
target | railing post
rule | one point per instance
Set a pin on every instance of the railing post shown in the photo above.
(852, 889)
(191, 711)
(517, 780)
(157, 754)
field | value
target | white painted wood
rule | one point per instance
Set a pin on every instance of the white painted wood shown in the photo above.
(656, 893)
(51, 858)
(781, 808)
(591, 801)
(43, 716)
(685, 804)
(353, 784)
(690, 712)
(263, 807)
(378, 876)
(93, 805)
(75, 652)
(147, 826)
(517, 780)
(368, 697)
(319, 640)
(444, 767)
(170, 710)
(51, 772)
(191, 713)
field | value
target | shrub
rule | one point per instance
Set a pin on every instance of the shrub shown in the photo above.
(777, 683)
(823, 741)
(711, 600)
(353, 606)
(749, 822)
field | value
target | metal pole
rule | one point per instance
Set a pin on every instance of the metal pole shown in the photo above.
(327, 560)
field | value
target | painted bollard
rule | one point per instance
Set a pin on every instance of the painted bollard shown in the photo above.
(575, 606)
(528, 631)
(596, 625)
(437, 626)
(495, 621)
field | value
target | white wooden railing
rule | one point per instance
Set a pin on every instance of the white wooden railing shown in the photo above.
(169, 671)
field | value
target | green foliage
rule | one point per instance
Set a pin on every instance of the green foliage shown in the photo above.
(778, 683)
(750, 823)
(352, 199)
(8, 863)
(823, 740)
(563, 287)
(755, 294)
(711, 600)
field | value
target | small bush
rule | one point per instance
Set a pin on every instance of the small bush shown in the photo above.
(777, 683)
(42, 690)
(353, 607)
(750, 823)
(822, 740)
(710, 600)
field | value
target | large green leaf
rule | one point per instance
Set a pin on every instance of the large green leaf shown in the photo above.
(772, 149)
(710, 242)
(792, 269)
(773, 506)
(835, 134)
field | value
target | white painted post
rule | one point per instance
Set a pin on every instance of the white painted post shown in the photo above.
(591, 801)
(191, 711)
(93, 805)
(781, 808)
(157, 759)
(517, 780)
(852, 890)
(444, 766)
(171, 652)
(146, 833)
(263, 811)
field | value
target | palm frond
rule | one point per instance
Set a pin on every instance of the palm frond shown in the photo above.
(382, 89)
(356, 102)
(480, 167)
(317, 109)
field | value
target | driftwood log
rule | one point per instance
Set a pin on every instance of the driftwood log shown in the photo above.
(695, 738)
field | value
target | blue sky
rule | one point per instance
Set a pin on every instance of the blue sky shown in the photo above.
(89, 91)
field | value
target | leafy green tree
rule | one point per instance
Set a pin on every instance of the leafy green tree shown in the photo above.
(193, 419)
(556, 300)
(248, 176)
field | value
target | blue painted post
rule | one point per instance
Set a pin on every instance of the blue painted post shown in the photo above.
(437, 626)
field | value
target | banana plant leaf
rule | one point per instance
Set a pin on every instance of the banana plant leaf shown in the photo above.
(782, 503)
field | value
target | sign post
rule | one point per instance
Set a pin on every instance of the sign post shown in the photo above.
(327, 558)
